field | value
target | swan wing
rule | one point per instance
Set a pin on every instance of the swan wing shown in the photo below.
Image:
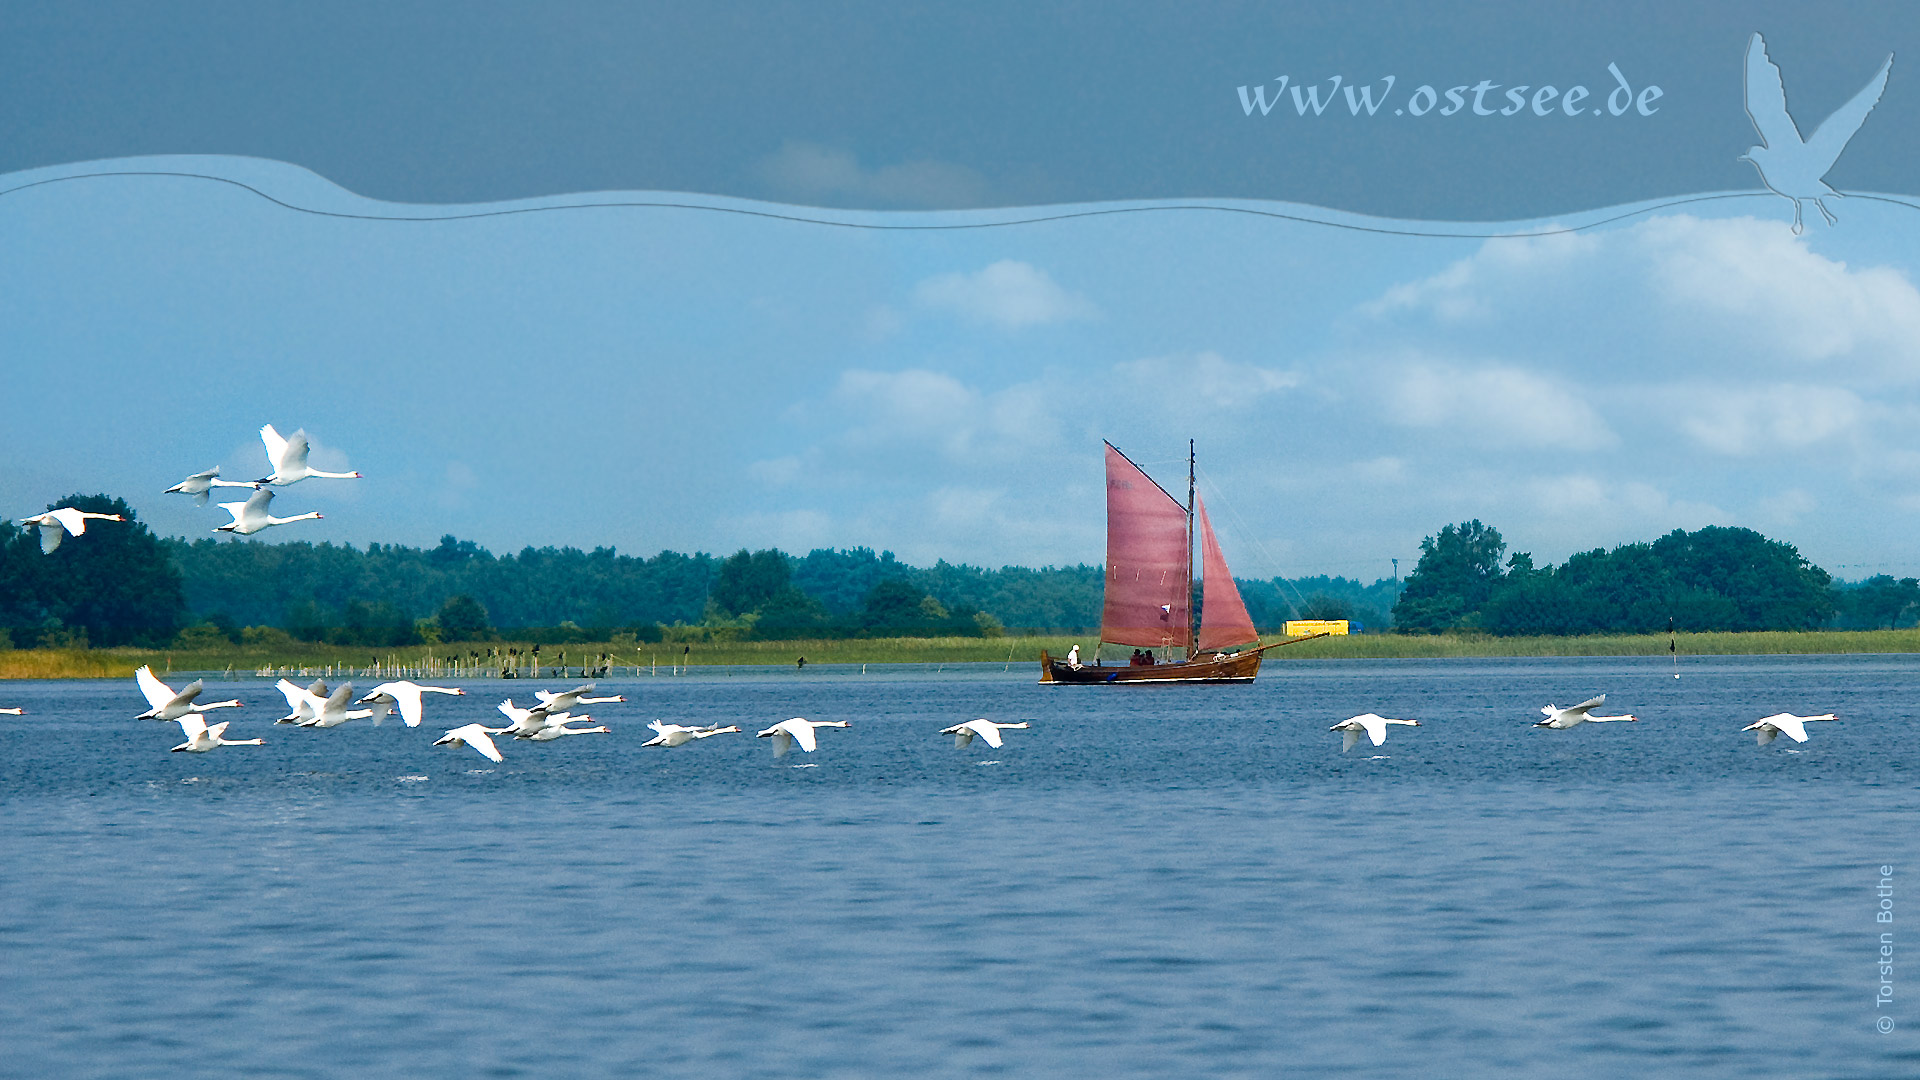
(1348, 737)
(50, 536)
(803, 732)
(157, 693)
(988, 732)
(1376, 727)
(1831, 137)
(1790, 726)
(70, 519)
(276, 446)
(782, 742)
(1767, 99)
(962, 736)
(294, 457)
(409, 701)
(1586, 705)
(192, 725)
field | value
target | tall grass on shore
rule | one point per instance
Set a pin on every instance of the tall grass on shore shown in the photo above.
(346, 661)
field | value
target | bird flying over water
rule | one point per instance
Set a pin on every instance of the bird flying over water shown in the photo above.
(477, 736)
(202, 738)
(1372, 724)
(1789, 165)
(167, 705)
(1793, 727)
(1560, 719)
(57, 525)
(671, 735)
(799, 729)
(986, 729)
(404, 694)
(561, 702)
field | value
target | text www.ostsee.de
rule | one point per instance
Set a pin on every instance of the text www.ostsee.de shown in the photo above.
(1361, 100)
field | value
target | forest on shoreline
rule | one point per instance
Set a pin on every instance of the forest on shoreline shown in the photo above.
(122, 586)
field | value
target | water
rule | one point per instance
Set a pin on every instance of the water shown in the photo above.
(1149, 882)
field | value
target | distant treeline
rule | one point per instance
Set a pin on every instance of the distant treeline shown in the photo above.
(120, 584)
(1714, 579)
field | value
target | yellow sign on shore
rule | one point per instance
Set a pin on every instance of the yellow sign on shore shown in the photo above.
(1302, 627)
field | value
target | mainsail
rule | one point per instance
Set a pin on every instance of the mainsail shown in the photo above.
(1148, 561)
(1224, 620)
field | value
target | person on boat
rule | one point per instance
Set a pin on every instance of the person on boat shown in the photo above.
(1073, 657)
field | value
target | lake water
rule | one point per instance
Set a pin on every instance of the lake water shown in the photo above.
(1149, 882)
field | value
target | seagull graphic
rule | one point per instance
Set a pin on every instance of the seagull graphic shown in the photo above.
(1789, 165)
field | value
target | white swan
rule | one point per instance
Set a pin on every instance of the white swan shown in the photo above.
(57, 525)
(1793, 727)
(1373, 724)
(251, 516)
(528, 722)
(200, 483)
(676, 735)
(554, 703)
(202, 738)
(1560, 719)
(288, 457)
(167, 705)
(557, 728)
(406, 695)
(799, 729)
(302, 705)
(477, 736)
(333, 712)
(986, 729)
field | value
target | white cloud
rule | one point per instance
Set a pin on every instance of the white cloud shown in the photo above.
(1193, 385)
(1672, 295)
(808, 171)
(1757, 280)
(1582, 511)
(876, 410)
(1743, 421)
(1008, 294)
(1500, 405)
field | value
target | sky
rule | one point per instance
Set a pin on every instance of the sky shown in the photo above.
(1561, 339)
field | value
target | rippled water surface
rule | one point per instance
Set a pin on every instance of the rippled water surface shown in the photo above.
(1149, 882)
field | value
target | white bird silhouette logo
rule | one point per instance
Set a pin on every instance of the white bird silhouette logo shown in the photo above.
(1789, 165)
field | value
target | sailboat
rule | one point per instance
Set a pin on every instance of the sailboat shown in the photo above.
(1149, 590)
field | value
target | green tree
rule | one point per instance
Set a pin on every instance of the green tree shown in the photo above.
(1769, 584)
(748, 580)
(116, 585)
(1878, 602)
(1453, 580)
(462, 618)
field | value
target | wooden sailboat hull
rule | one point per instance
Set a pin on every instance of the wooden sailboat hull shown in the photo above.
(1235, 669)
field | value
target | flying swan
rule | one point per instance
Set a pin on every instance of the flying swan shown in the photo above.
(1372, 724)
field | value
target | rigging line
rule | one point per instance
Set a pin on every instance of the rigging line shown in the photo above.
(811, 220)
(1240, 523)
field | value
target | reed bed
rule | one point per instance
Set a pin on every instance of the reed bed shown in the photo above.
(665, 658)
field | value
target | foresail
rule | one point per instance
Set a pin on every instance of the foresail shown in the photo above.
(1147, 561)
(1223, 615)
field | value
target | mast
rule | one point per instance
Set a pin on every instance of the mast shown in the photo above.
(1192, 638)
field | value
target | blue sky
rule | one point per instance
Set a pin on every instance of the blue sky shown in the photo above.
(689, 379)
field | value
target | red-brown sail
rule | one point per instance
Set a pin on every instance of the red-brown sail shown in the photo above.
(1147, 561)
(1224, 621)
